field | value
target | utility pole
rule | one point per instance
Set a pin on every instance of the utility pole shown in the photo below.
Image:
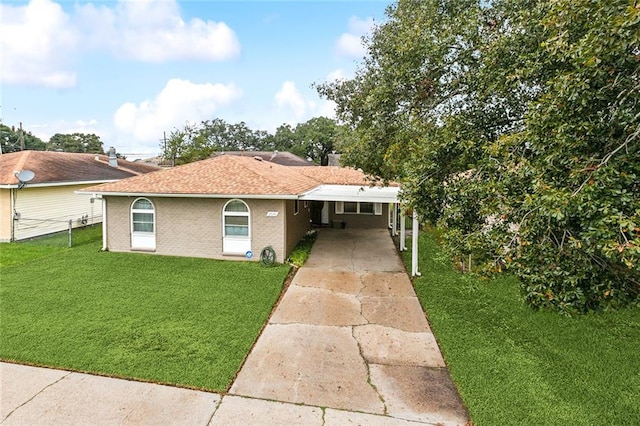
(21, 138)
(163, 157)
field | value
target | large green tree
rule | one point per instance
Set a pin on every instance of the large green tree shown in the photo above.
(13, 139)
(317, 138)
(76, 142)
(285, 139)
(515, 125)
(314, 139)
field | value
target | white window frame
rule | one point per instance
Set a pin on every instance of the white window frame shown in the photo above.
(236, 244)
(377, 208)
(143, 240)
(296, 207)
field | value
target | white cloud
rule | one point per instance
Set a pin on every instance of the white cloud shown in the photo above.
(37, 44)
(360, 26)
(288, 97)
(327, 109)
(334, 75)
(154, 31)
(298, 109)
(39, 40)
(179, 101)
(349, 44)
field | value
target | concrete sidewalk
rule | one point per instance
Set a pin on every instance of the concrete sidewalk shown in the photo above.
(348, 344)
(42, 396)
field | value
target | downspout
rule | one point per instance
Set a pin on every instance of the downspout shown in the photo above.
(13, 215)
(104, 222)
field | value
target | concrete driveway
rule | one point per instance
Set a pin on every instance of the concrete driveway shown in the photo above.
(350, 334)
(347, 344)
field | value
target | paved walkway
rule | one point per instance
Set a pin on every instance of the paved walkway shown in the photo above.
(348, 344)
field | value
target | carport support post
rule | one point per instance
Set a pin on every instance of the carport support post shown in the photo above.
(414, 246)
(395, 220)
(403, 232)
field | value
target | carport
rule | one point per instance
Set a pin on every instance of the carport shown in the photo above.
(371, 194)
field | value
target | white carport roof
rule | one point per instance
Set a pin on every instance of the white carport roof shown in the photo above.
(366, 194)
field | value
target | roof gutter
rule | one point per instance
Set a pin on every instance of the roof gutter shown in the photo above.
(50, 184)
(166, 195)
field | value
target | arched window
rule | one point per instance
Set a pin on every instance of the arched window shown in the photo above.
(236, 220)
(143, 225)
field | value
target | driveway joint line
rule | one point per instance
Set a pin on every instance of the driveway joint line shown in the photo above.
(385, 411)
(353, 261)
(215, 409)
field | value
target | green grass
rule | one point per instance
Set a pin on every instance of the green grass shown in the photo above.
(182, 321)
(515, 366)
(18, 252)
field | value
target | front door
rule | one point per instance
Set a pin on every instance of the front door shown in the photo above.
(325, 213)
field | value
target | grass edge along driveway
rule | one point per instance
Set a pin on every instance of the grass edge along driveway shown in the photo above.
(515, 366)
(182, 321)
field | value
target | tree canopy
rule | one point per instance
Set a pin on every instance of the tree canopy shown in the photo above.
(314, 140)
(76, 142)
(514, 124)
(12, 140)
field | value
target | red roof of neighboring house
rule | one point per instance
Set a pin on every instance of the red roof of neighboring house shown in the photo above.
(233, 175)
(282, 158)
(66, 167)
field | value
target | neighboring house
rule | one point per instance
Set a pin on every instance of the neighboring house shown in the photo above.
(47, 202)
(282, 158)
(233, 206)
(334, 159)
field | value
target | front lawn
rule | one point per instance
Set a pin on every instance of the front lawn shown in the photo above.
(514, 366)
(171, 320)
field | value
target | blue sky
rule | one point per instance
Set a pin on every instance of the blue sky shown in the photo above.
(129, 70)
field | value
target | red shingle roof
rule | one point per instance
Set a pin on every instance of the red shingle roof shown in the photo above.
(225, 174)
(282, 158)
(336, 175)
(66, 167)
(233, 175)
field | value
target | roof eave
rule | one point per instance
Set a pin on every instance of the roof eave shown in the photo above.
(352, 193)
(181, 195)
(50, 184)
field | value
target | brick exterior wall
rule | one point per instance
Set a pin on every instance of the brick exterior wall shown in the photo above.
(193, 226)
(267, 231)
(118, 223)
(297, 225)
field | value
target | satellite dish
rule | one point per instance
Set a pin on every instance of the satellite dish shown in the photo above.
(24, 177)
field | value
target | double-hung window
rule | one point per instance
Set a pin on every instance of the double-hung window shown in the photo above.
(143, 225)
(236, 227)
(353, 207)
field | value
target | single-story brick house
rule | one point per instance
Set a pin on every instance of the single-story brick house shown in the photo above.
(48, 201)
(231, 207)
